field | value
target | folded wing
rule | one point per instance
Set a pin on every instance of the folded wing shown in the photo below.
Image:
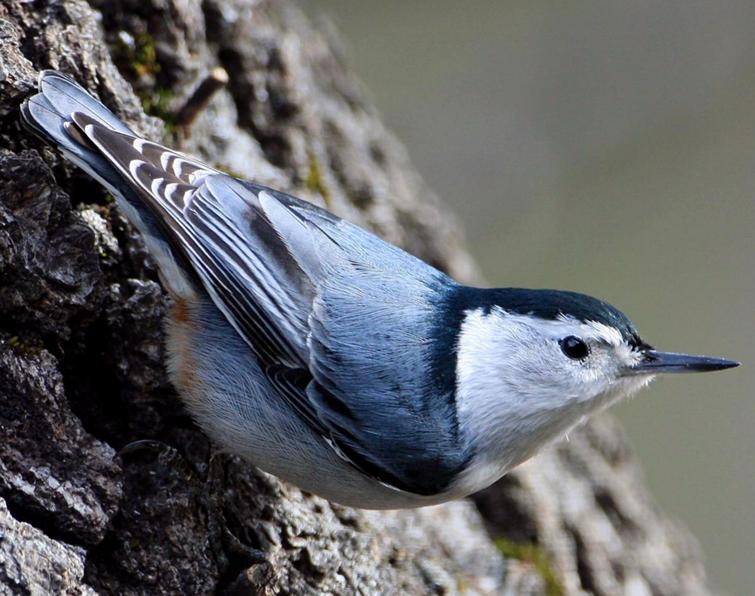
(349, 329)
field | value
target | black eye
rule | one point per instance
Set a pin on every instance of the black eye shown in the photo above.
(574, 348)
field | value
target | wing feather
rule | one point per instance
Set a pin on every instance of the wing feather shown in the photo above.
(341, 322)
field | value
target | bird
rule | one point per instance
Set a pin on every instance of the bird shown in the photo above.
(332, 359)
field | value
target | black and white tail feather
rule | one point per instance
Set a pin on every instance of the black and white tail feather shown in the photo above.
(94, 139)
(291, 279)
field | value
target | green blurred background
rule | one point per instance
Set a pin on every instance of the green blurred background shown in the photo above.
(609, 148)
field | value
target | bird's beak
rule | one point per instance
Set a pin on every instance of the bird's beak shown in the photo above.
(655, 362)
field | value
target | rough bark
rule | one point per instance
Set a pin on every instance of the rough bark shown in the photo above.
(105, 484)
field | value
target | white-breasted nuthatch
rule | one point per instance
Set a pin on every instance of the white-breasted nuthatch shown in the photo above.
(333, 359)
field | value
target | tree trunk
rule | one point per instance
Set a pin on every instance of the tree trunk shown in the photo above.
(105, 483)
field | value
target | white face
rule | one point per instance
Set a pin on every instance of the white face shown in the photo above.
(547, 363)
(562, 361)
(523, 380)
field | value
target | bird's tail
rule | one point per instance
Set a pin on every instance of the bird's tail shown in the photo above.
(49, 114)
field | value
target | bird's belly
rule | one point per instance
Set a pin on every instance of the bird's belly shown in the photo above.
(219, 380)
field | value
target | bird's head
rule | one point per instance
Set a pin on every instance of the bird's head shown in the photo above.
(532, 363)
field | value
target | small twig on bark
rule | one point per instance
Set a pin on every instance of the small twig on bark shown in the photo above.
(212, 83)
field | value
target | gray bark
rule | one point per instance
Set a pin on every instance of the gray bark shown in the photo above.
(105, 483)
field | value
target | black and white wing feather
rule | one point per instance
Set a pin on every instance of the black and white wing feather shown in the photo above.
(353, 333)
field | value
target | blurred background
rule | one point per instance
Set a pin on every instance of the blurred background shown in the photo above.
(607, 148)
